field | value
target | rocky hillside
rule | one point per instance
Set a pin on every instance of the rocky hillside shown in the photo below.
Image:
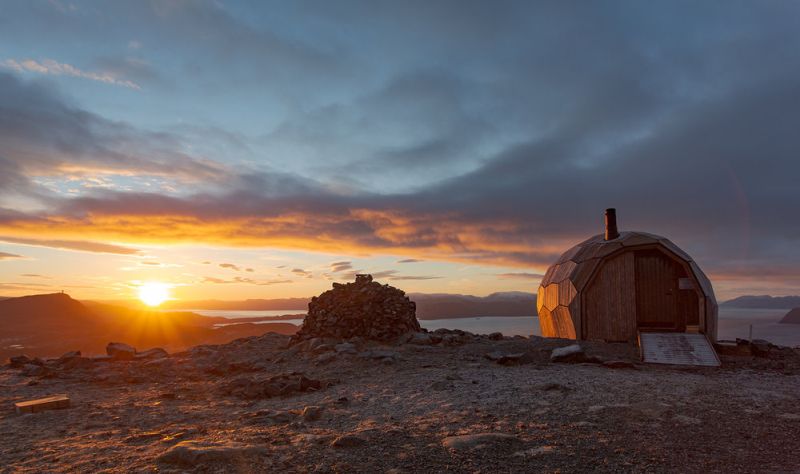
(447, 401)
(49, 325)
(763, 302)
(792, 317)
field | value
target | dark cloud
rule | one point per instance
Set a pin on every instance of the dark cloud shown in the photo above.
(242, 280)
(6, 255)
(410, 260)
(83, 246)
(43, 135)
(496, 134)
(302, 273)
(230, 266)
(414, 277)
(341, 266)
(519, 276)
(387, 275)
(35, 275)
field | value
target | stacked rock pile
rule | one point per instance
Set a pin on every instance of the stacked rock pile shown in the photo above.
(363, 309)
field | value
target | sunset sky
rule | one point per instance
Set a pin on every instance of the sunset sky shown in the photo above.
(265, 149)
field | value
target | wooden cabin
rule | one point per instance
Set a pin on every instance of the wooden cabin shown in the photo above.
(615, 285)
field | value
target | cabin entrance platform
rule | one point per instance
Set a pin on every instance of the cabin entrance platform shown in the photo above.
(677, 348)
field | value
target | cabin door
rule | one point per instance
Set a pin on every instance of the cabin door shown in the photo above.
(657, 293)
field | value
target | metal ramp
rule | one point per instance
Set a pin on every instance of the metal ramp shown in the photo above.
(677, 348)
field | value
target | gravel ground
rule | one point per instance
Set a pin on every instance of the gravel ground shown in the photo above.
(409, 408)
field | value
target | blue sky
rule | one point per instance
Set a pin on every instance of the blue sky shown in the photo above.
(483, 138)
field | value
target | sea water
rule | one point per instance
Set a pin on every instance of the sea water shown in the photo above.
(733, 323)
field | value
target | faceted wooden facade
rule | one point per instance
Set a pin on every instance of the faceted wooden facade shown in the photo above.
(612, 289)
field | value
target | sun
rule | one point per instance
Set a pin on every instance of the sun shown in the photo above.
(153, 293)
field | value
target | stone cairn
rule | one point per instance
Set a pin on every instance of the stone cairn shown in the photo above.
(363, 309)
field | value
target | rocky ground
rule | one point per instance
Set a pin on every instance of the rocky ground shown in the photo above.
(434, 404)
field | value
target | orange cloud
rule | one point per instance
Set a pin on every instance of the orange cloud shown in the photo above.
(351, 232)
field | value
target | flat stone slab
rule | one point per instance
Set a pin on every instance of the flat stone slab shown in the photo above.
(193, 453)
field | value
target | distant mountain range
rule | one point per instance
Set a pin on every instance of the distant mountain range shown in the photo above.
(49, 325)
(763, 302)
(446, 306)
(429, 306)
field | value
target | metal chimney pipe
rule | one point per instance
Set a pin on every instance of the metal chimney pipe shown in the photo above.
(611, 224)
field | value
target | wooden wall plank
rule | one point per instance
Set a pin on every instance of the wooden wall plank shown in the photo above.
(609, 302)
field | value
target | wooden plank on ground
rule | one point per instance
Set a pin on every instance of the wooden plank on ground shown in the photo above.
(41, 404)
(677, 348)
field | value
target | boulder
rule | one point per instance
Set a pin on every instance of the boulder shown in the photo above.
(496, 336)
(572, 354)
(361, 309)
(120, 351)
(20, 361)
(34, 370)
(760, 347)
(478, 440)
(193, 453)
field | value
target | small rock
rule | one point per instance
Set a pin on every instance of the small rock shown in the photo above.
(439, 385)
(504, 358)
(281, 417)
(571, 354)
(20, 361)
(326, 357)
(346, 348)
(155, 353)
(537, 451)
(33, 370)
(348, 441)
(78, 362)
(120, 351)
(496, 336)
(789, 416)
(760, 347)
(200, 453)
(420, 338)
(312, 413)
(69, 355)
(478, 440)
